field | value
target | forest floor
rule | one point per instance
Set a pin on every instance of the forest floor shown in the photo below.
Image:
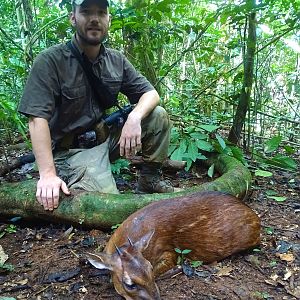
(43, 260)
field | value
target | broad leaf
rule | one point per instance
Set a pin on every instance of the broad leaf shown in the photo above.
(273, 144)
(211, 171)
(277, 198)
(203, 145)
(193, 151)
(263, 173)
(209, 128)
(283, 162)
(198, 136)
(221, 141)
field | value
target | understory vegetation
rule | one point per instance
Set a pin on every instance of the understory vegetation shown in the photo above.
(227, 70)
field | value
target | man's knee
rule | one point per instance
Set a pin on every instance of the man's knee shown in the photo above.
(159, 119)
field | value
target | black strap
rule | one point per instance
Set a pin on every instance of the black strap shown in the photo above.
(103, 94)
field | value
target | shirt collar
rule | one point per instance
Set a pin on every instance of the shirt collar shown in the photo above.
(102, 51)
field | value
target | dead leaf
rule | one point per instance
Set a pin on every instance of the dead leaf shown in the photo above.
(225, 271)
(287, 275)
(3, 256)
(271, 282)
(289, 257)
(274, 277)
(22, 282)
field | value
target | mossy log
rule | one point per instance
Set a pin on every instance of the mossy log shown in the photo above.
(98, 210)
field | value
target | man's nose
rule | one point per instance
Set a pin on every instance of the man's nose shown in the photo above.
(94, 17)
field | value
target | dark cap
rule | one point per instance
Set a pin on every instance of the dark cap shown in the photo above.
(79, 2)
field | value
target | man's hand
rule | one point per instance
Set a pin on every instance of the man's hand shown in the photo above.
(130, 140)
(131, 135)
(48, 189)
(49, 185)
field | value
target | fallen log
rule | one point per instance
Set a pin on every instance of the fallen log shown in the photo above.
(8, 166)
(98, 210)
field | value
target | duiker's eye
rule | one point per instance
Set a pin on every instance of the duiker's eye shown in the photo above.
(130, 287)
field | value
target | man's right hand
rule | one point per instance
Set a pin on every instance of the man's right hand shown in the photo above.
(48, 189)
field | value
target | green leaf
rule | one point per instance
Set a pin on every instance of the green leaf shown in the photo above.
(189, 163)
(119, 165)
(263, 173)
(211, 171)
(193, 151)
(289, 150)
(221, 141)
(277, 198)
(204, 145)
(172, 147)
(11, 228)
(186, 251)
(198, 136)
(237, 153)
(273, 144)
(201, 156)
(209, 128)
(271, 192)
(283, 162)
(196, 263)
(177, 155)
(177, 250)
(269, 230)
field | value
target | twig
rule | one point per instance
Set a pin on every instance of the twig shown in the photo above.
(42, 290)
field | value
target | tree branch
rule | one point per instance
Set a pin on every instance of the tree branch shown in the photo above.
(10, 39)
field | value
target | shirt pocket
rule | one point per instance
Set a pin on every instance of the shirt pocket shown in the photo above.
(113, 84)
(73, 100)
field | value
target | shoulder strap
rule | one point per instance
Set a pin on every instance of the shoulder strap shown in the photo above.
(104, 96)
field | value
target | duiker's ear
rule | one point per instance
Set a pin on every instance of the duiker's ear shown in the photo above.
(100, 260)
(144, 241)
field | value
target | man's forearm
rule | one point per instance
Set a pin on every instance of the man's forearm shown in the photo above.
(145, 105)
(41, 144)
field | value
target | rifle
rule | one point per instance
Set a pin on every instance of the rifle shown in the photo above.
(100, 133)
(119, 117)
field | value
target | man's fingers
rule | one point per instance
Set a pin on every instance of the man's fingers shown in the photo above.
(50, 199)
(121, 143)
(47, 192)
(44, 198)
(64, 188)
(38, 195)
(128, 148)
(138, 144)
(55, 197)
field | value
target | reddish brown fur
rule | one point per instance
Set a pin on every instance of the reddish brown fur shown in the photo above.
(211, 224)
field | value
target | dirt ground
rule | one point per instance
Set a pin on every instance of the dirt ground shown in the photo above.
(44, 260)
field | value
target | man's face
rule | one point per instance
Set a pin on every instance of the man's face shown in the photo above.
(91, 21)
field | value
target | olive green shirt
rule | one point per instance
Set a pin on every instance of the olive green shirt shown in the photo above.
(58, 90)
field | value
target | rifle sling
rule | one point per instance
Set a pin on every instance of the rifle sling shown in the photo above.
(102, 93)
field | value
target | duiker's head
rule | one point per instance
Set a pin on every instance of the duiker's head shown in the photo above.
(132, 274)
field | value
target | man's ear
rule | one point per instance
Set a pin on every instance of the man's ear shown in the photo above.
(109, 22)
(72, 18)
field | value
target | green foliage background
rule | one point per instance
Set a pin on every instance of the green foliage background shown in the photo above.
(193, 52)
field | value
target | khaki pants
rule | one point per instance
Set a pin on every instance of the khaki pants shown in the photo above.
(89, 169)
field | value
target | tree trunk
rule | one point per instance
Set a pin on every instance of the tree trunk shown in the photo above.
(243, 105)
(98, 210)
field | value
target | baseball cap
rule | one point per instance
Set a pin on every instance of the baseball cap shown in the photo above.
(79, 2)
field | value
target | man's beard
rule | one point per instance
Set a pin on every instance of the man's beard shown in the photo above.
(88, 41)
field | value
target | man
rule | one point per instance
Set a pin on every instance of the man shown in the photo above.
(61, 105)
